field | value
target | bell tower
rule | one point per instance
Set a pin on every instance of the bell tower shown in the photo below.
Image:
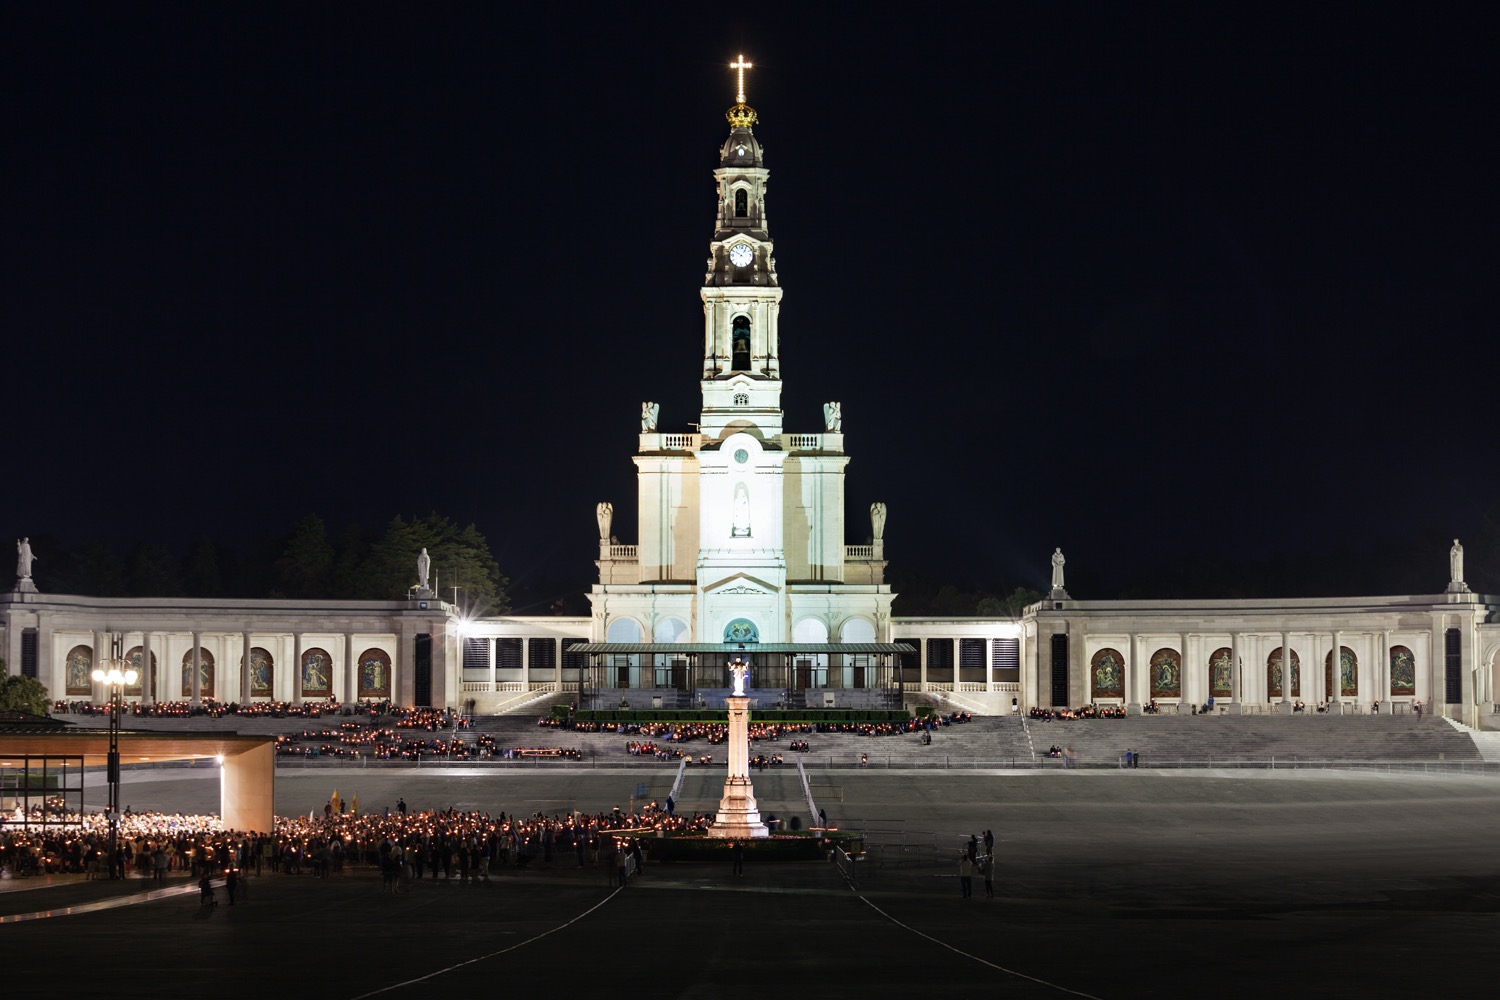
(741, 296)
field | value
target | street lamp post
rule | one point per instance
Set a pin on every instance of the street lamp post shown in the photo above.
(114, 680)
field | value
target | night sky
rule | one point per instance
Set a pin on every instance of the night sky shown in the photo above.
(1152, 283)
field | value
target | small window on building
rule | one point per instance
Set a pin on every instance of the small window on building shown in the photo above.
(741, 203)
(742, 399)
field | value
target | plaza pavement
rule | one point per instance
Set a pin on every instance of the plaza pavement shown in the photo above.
(1112, 884)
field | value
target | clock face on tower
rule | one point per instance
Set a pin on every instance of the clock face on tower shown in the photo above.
(740, 254)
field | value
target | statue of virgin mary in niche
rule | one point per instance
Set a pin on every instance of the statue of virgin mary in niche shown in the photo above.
(740, 526)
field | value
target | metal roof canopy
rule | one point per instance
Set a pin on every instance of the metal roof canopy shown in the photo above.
(136, 745)
(859, 648)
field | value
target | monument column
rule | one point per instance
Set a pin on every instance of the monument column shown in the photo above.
(526, 665)
(489, 642)
(196, 689)
(738, 815)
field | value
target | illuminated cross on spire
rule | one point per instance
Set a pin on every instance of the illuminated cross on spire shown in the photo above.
(741, 65)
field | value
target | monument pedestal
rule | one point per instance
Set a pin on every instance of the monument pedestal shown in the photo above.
(738, 816)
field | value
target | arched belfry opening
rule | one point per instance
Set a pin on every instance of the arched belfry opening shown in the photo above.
(740, 344)
(741, 203)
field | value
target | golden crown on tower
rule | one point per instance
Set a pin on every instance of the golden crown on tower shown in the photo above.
(741, 116)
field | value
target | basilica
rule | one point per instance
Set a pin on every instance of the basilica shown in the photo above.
(740, 553)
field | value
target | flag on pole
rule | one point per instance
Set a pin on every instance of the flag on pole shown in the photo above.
(335, 801)
(354, 808)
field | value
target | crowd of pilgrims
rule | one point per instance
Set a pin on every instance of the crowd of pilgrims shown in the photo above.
(446, 843)
(431, 719)
(718, 732)
(1086, 712)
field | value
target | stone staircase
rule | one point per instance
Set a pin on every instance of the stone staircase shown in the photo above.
(1233, 739)
(987, 741)
(1486, 742)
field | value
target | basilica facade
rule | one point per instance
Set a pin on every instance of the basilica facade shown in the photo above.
(741, 552)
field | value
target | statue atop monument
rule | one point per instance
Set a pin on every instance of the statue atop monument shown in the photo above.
(24, 558)
(833, 418)
(1456, 583)
(740, 671)
(604, 513)
(424, 567)
(650, 412)
(877, 521)
(1057, 574)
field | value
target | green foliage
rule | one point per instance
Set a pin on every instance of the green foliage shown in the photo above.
(201, 576)
(1010, 607)
(154, 572)
(559, 711)
(22, 694)
(460, 558)
(923, 711)
(305, 569)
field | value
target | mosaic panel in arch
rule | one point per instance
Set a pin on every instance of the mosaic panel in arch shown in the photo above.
(1166, 674)
(374, 674)
(78, 668)
(262, 672)
(1273, 674)
(205, 673)
(1107, 669)
(1348, 672)
(133, 662)
(1403, 671)
(317, 674)
(741, 630)
(1221, 673)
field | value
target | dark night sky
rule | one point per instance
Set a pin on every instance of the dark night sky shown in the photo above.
(1128, 279)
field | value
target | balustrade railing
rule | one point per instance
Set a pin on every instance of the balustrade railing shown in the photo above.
(859, 553)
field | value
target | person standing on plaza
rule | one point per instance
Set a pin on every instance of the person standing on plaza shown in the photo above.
(966, 876)
(737, 858)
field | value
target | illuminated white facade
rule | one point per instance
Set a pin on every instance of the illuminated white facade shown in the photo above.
(740, 531)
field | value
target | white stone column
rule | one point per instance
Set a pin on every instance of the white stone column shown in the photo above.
(489, 642)
(1236, 676)
(1188, 678)
(1286, 673)
(102, 651)
(296, 668)
(351, 671)
(148, 685)
(245, 668)
(1335, 674)
(1133, 678)
(197, 689)
(1383, 671)
(526, 663)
